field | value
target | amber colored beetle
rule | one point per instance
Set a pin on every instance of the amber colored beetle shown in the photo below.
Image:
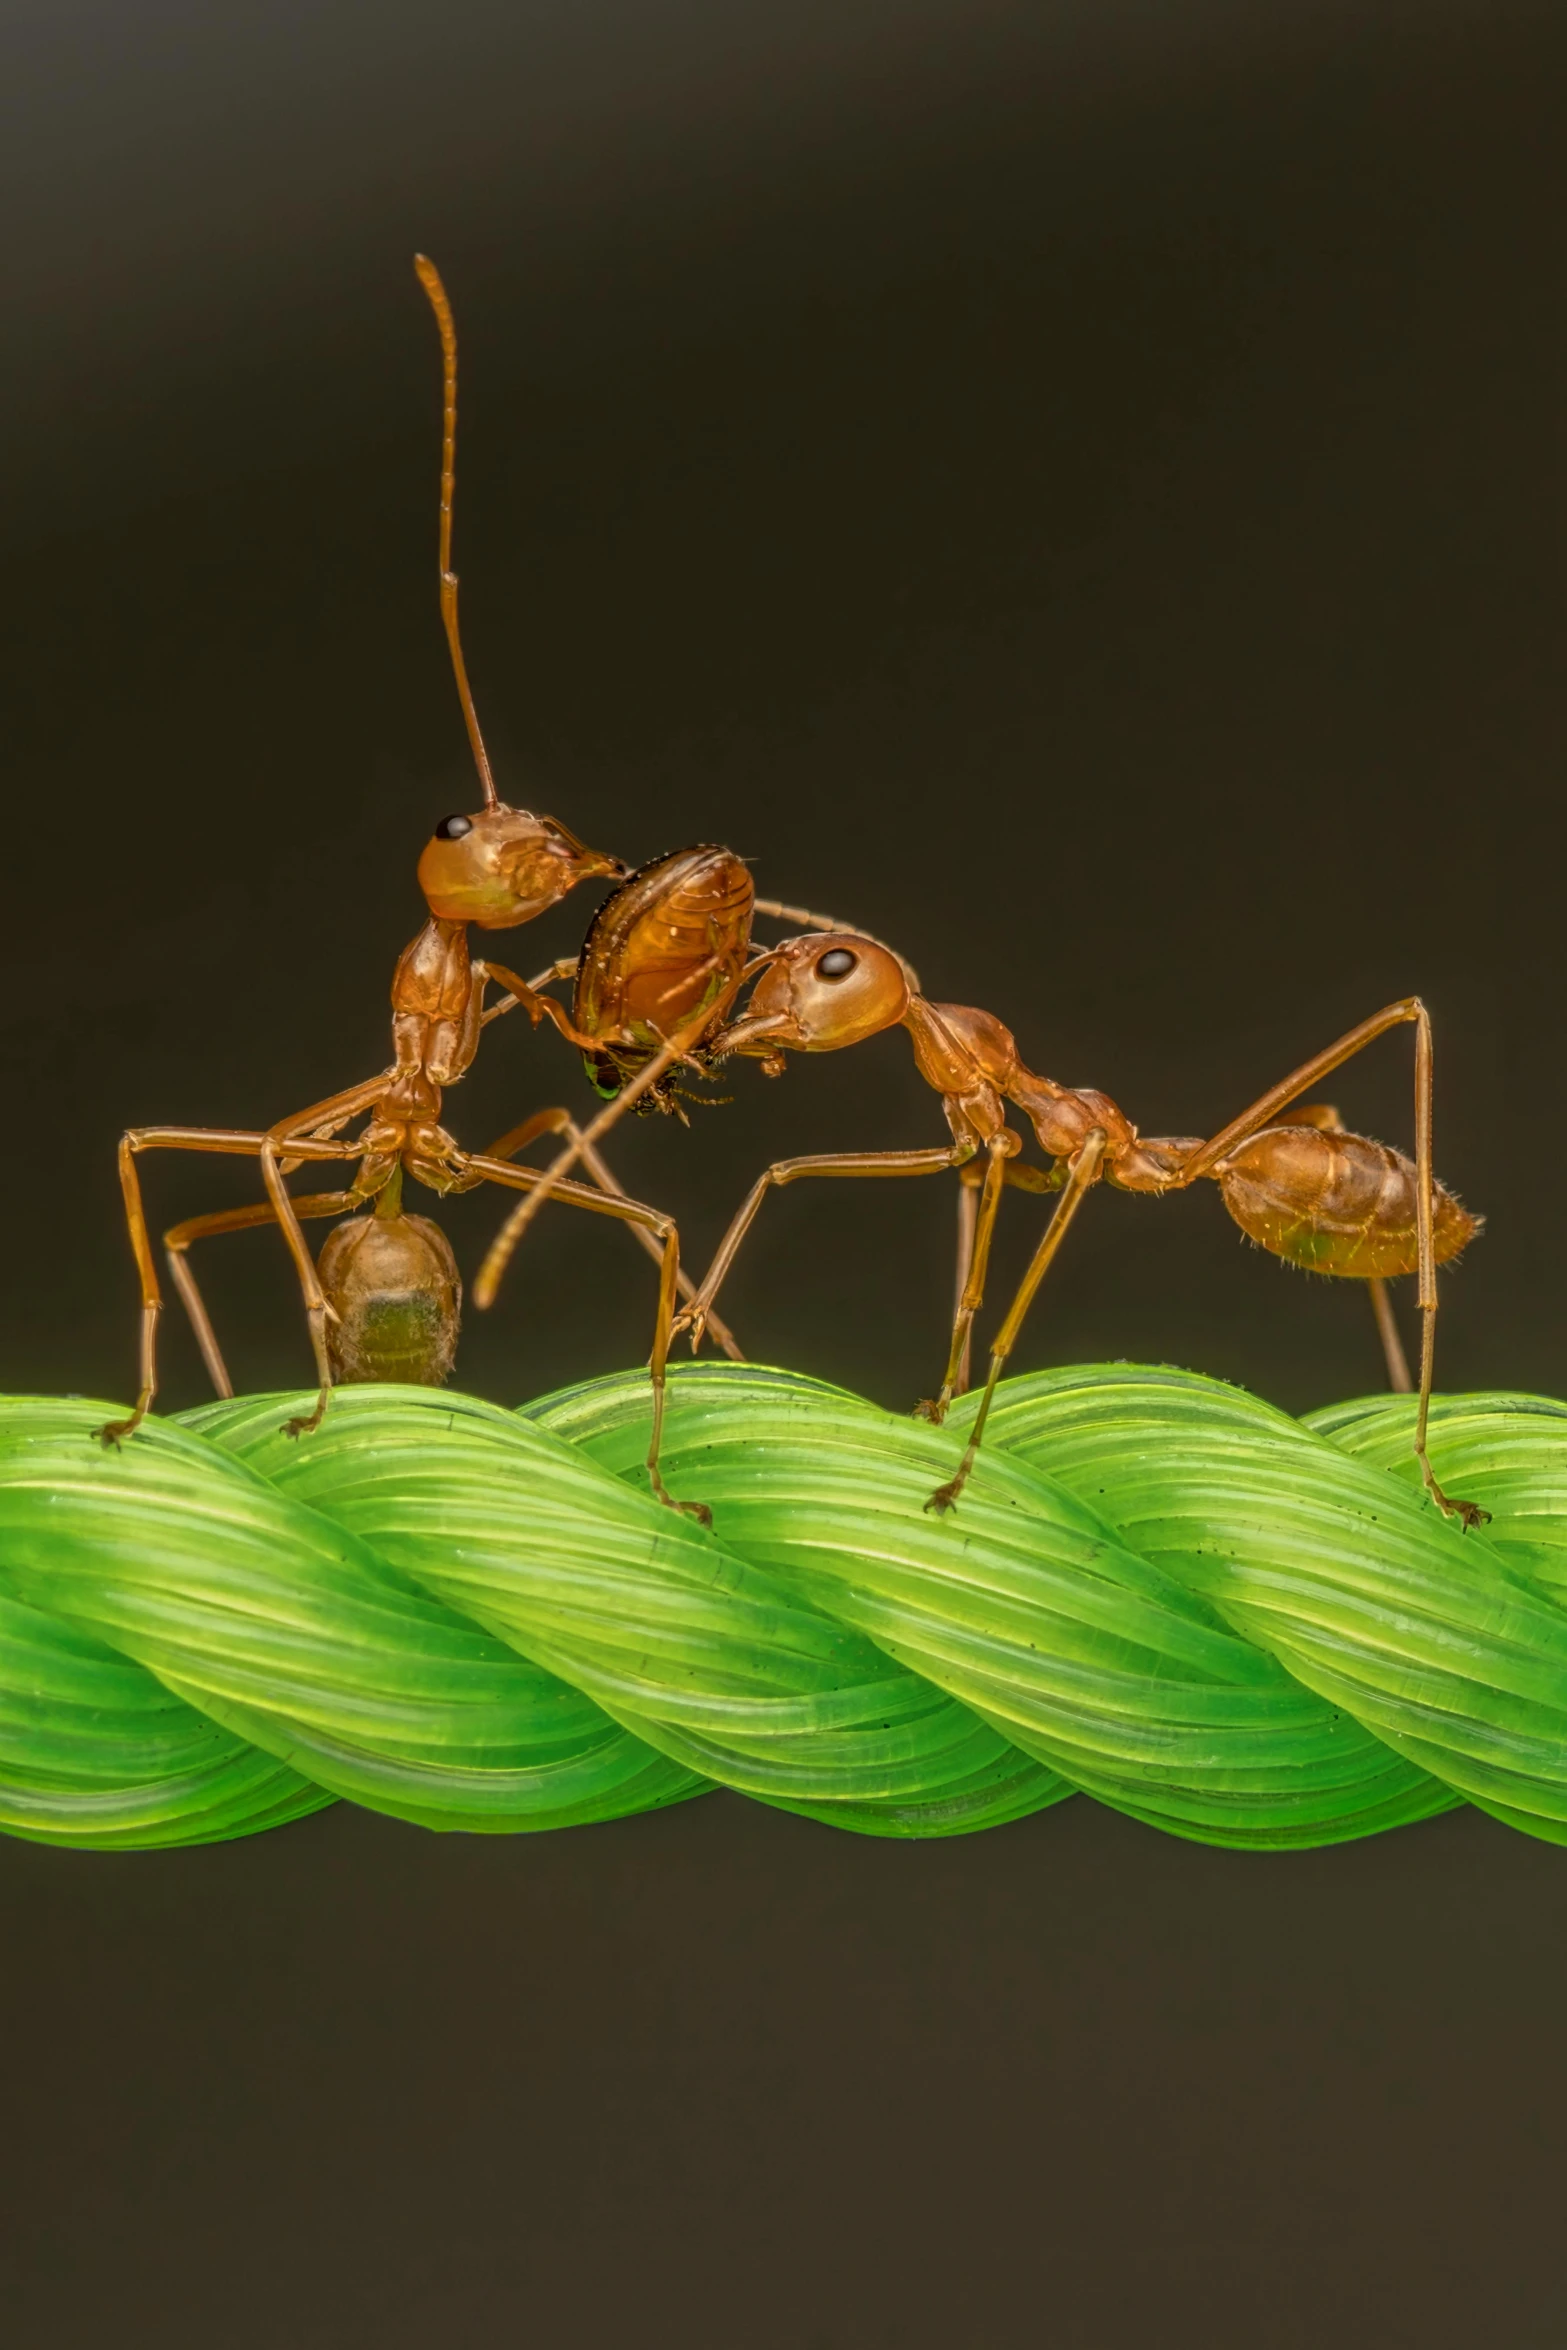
(667, 947)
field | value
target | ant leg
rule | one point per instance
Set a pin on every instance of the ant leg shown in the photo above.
(544, 1184)
(562, 1122)
(316, 1307)
(153, 1138)
(327, 1118)
(1325, 1118)
(1082, 1173)
(517, 1138)
(177, 1240)
(931, 1162)
(1467, 1513)
(672, 1049)
(524, 991)
(627, 1211)
(971, 1284)
(1026, 1178)
(284, 1146)
(658, 1366)
(538, 1007)
(1263, 1112)
(1393, 1353)
(220, 1141)
(969, 1180)
(564, 967)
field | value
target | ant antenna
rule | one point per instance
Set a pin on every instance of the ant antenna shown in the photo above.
(430, 278)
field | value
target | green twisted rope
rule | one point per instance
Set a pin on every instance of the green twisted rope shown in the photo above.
(1157, 1589)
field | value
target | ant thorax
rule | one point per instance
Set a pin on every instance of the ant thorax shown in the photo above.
(437, 1003)
(957, 1048)
(434, 972)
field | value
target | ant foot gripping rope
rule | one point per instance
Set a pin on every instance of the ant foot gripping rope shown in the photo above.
(1159, 1591)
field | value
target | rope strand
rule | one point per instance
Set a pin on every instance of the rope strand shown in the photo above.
(1157, 1591)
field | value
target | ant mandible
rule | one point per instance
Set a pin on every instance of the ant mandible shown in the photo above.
(497, 868)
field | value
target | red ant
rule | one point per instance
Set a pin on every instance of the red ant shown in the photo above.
(497, 868)
(1303, 1188)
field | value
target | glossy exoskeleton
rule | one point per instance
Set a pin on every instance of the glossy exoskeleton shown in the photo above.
(1292, 1178)
(663, 961)
(669, 946)
(494, 869)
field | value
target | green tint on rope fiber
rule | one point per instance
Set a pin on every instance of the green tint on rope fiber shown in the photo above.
(1156, 1590)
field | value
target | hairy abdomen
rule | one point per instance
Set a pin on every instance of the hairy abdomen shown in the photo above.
(1336, 1203)
(392, 1284)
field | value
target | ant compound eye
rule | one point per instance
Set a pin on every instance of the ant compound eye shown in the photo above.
(453, 827)
(837, 963)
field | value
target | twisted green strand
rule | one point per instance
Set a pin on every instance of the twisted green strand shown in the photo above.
(1158, 1590)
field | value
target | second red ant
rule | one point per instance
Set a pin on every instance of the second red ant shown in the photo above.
(1302, 1187)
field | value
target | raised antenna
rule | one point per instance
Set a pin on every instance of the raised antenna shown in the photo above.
(430, 278)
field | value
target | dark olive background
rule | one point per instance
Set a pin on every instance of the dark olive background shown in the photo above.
(1077, 490)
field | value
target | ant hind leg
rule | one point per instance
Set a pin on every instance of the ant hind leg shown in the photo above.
(1266, 1111)
(1325, 1118)
(176, 1244)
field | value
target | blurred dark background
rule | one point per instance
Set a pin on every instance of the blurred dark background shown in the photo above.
(1077, 491)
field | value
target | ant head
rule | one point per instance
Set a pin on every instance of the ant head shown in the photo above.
(502, 866)
(821, 992)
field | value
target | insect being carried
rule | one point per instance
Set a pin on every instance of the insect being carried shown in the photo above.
(665, 957)
(1301, 1187)
(496, 868)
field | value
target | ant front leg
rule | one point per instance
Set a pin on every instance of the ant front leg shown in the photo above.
(969, 1180)
(142, 1138)
(1325, 1118)
(524, 992)
(219, 1141)
(538, 1007)
(930, 1162)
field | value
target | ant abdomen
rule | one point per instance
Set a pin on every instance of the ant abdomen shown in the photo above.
(1336, 1203)
(393, 1285)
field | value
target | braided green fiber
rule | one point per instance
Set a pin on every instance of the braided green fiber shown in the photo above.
(1242, 1628)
